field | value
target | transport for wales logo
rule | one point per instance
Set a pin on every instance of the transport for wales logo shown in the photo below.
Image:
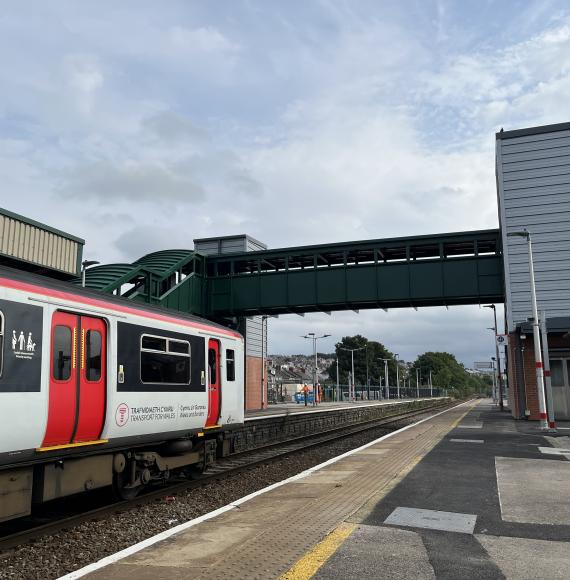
(23, 347)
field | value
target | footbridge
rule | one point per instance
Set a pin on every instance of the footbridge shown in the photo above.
(431, 270)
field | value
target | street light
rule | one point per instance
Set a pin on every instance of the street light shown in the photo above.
(535, 331)
(386, 376)
(314, 338)
(500, 378)
(397, 376)
(352, 387)
(84, 265)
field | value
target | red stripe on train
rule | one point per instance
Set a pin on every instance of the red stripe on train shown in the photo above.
(23, 286)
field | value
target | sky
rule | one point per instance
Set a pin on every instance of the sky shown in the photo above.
(141, 125)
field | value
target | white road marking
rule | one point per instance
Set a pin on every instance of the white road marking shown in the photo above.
(467, 440)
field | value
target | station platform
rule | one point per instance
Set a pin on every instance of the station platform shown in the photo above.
(282, 409)
(467, 493)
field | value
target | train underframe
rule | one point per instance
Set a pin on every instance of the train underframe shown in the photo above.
(128, 471)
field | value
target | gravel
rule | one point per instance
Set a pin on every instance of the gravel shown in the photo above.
(62, 552)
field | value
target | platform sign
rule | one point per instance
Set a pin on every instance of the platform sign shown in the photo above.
(502, 339)
(484, 366)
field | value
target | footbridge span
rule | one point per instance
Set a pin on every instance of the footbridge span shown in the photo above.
(430, 270)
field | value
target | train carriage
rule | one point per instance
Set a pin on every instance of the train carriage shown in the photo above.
(96, 390)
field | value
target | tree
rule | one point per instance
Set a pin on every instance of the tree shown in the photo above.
(447, 373)
(368, 350)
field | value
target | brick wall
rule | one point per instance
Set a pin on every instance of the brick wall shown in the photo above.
(522, 372)
(253, 384)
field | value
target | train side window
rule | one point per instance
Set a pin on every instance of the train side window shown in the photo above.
(230, 365)
(165, 361)
(1, 343)
(61, 353)
(93, 355)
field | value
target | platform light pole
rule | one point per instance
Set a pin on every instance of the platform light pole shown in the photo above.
(535, 331)
(417, 383)
(386, 377)
(84, 265)
(430, 385)
(499, 377)
(312, 336)
(352, 386)
(337, 383)
(397, 376)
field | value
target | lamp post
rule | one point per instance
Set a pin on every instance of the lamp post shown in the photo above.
(500, 378)
(535, 331)
(417, 383)
(397, 376)
(386, 377)
(337, 383)
(84, 265)
(352, 387)
(312, 336)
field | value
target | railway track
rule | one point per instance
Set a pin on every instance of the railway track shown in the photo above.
(32, 528)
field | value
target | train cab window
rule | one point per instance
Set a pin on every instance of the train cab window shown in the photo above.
(61, 353)
(93, 355)
(230, 365)
(165, 360)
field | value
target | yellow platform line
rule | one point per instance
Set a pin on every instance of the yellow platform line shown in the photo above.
(70, 445)
(308, 565)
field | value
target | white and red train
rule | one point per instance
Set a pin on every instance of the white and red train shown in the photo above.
(96, 390)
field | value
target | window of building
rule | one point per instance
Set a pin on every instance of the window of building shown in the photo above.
(61, 363)
(93, 355)
(557, 372)
(165, 360)
(230, 365)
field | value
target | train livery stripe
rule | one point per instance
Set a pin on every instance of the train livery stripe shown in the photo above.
(83, 300)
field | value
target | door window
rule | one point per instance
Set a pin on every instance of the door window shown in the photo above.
(61, 353)
(557, 372)
(93, 355)
(213, 366)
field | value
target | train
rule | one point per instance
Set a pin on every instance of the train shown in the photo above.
(98, 390)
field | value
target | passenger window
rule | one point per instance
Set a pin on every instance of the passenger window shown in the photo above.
(165, 360)
(230, 365)
(154, 343)
(61, 353)
(93, 355)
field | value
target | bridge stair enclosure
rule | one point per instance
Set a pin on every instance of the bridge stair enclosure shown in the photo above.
(169, 278)
(432, 270)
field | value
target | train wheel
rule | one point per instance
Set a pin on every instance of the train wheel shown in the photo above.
(121, 489)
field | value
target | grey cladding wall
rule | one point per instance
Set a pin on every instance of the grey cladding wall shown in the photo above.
(533, 182)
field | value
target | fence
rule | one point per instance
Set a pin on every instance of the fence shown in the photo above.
(330, 394)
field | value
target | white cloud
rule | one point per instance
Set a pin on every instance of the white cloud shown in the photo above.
(295, 123)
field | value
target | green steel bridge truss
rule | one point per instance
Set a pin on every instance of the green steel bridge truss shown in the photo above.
(431, 270)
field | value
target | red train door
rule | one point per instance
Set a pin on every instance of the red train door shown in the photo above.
(77, 385)
(213, 382)
(92, 380)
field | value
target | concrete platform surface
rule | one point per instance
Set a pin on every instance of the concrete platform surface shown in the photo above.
(283, 409)
(459, 501)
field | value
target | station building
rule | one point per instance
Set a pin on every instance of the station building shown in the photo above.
(533, 188)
